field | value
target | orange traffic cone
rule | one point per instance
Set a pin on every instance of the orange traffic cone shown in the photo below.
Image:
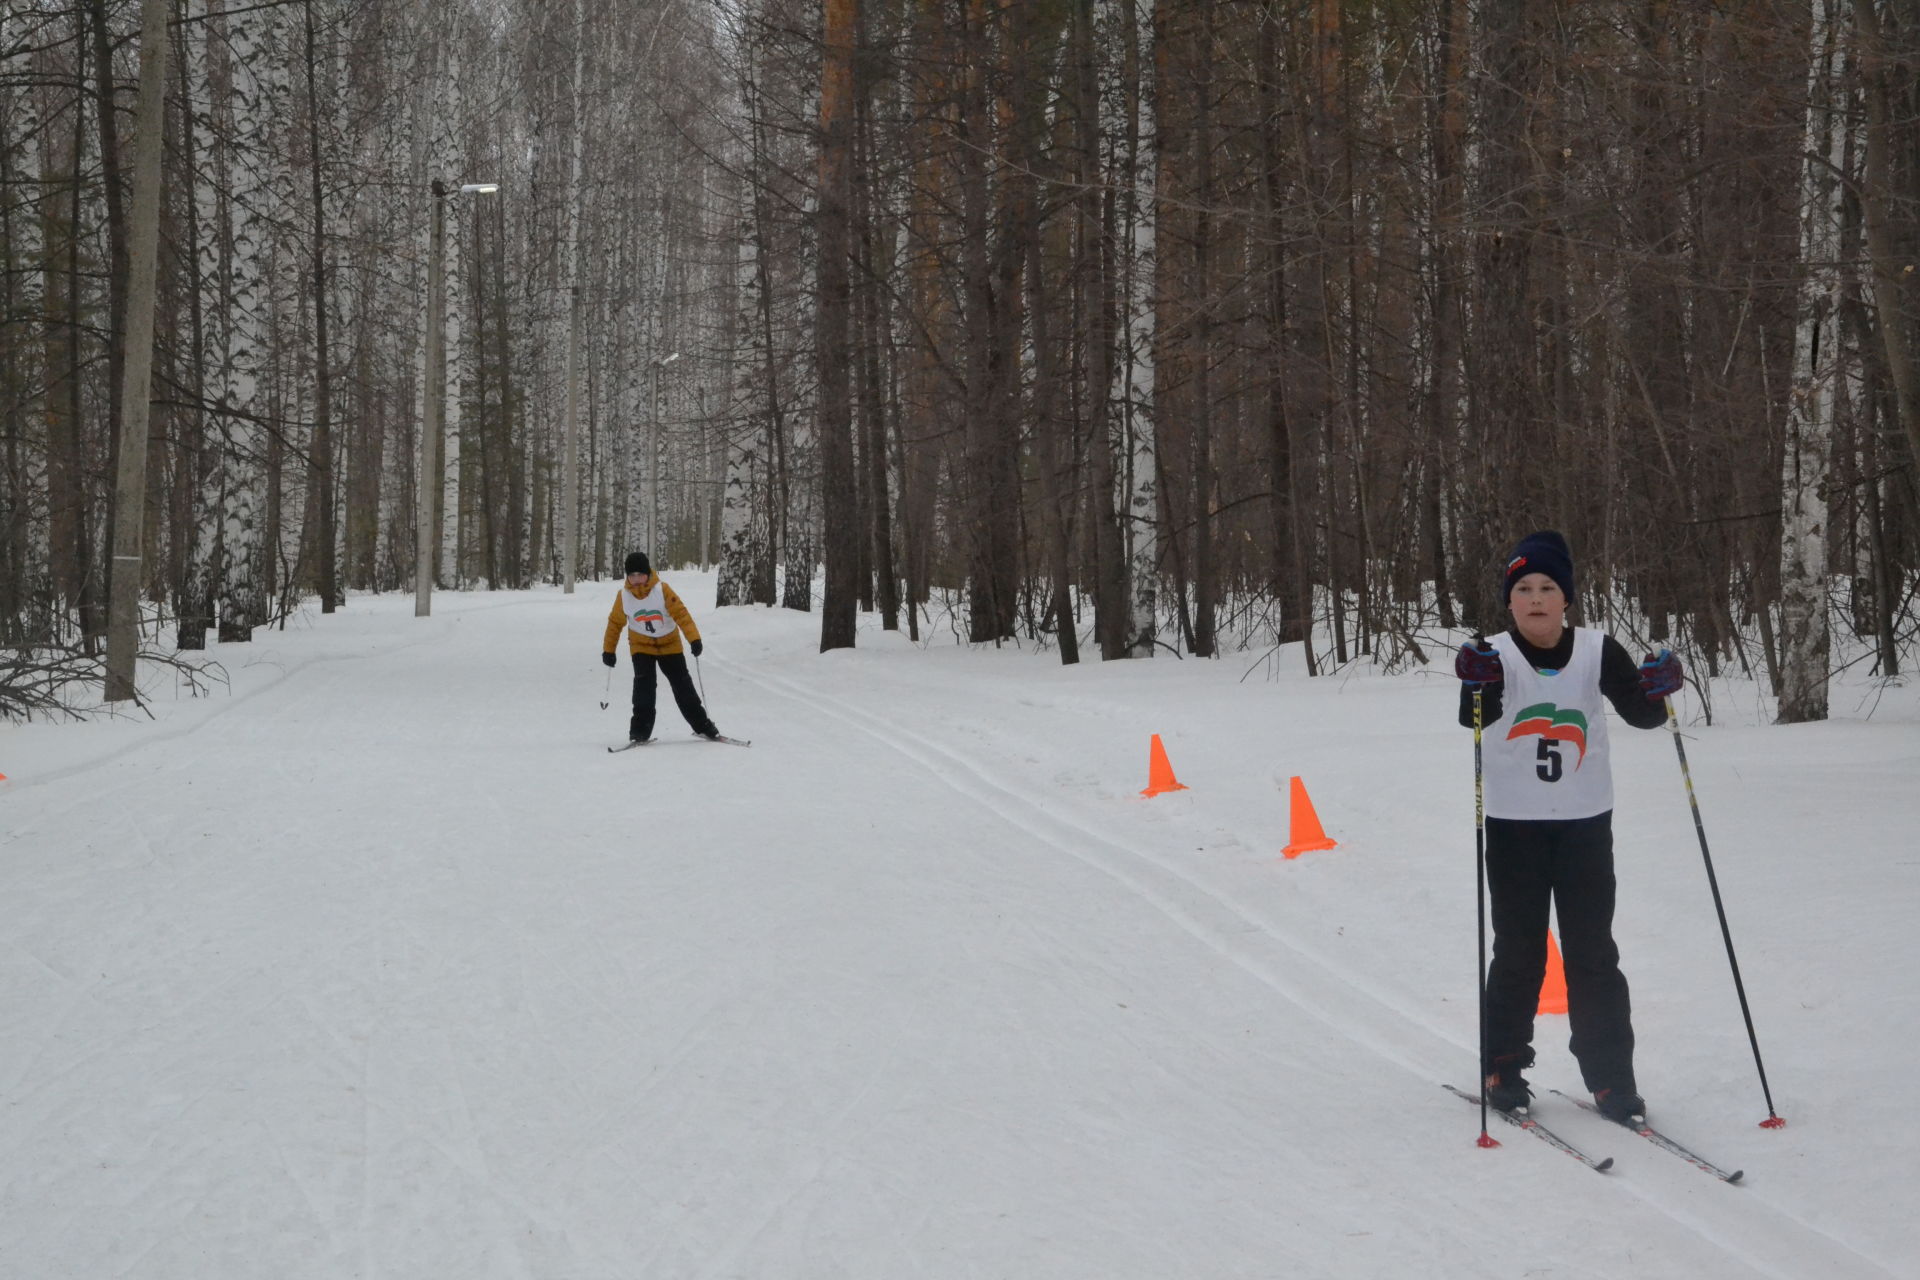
(1305, 834)
(1159, 772)
(1553, 989)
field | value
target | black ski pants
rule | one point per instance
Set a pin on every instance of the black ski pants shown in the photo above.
(674, 667)
(1570, 864)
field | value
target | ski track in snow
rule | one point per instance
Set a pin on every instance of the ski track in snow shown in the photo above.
(1394, 1033)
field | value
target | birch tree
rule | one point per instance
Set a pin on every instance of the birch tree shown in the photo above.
(254, 52)
(1817, 364)
(26, 570)
(1133, 372)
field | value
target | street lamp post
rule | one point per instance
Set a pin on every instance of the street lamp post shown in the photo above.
(427, 507)
(653, 453)
(570, 467)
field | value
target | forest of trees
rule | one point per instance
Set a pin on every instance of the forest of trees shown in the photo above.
(1154, 325)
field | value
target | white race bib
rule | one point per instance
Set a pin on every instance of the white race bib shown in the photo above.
(1546, 756)
(648, 614)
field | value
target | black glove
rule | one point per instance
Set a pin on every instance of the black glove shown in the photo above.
(609, 659)
(697, 647)
(1478, 663)
(1660, 675)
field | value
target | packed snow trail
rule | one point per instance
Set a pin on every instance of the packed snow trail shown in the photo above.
(380, 966)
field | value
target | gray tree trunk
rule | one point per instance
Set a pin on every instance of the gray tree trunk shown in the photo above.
(123, 610)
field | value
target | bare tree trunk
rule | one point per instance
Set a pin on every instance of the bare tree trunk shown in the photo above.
(570, 510)
(1094, 299)
(878, 254)
(1892, 287)
(1884, 580)
(1804, 631)
(1285, 573)
(1138, 252)
(780, 504)
(833, 335)
(744, 515)
(1446, 127)
(70, 501)
(123, 623)
(246, 505)
(204, 160)
(108, 119)
(1206, 582)
(25, 567)
(876, 247)
(321, 532)
(989, 266)
(513, 427)
(1052, 437)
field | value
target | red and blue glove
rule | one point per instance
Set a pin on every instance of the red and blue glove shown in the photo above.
(1478, 663)
(1660, 675)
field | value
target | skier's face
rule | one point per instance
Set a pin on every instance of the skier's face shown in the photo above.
(635, 581)
(1539, 608)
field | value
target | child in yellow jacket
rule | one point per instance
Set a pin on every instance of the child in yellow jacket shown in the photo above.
(655, 619)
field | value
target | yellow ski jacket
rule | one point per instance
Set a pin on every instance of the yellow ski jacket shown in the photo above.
(654, 622)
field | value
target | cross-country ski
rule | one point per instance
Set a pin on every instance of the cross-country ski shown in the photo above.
(1523, 1120)
(631, 743)
(1662, 1141)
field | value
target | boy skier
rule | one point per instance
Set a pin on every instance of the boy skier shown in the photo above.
(654, 619)
(1549, 822)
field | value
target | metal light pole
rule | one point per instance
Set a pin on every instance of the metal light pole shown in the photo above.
(653, 453)
(570, 468)
(427, 505)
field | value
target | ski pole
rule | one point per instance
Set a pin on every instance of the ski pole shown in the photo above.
(702, 679)
(1480, 905)
(608, 695)
(1773, 1120)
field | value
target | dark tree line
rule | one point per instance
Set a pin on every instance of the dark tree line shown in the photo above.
(1175, 321)
(1145, 324)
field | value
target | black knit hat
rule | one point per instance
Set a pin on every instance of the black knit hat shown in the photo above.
(637, 562)
(1543, 552)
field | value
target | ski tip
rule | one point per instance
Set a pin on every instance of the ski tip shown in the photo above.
(1735, 1176)
(1602, 1166)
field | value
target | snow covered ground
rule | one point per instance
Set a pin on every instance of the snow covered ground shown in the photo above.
(377, 965)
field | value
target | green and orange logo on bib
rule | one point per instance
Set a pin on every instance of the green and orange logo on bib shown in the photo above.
(1551, 722)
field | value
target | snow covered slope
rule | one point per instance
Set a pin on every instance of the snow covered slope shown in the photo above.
(379, 966)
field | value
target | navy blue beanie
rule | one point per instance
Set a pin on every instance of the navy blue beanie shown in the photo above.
(1543, 552)
(637, 562)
